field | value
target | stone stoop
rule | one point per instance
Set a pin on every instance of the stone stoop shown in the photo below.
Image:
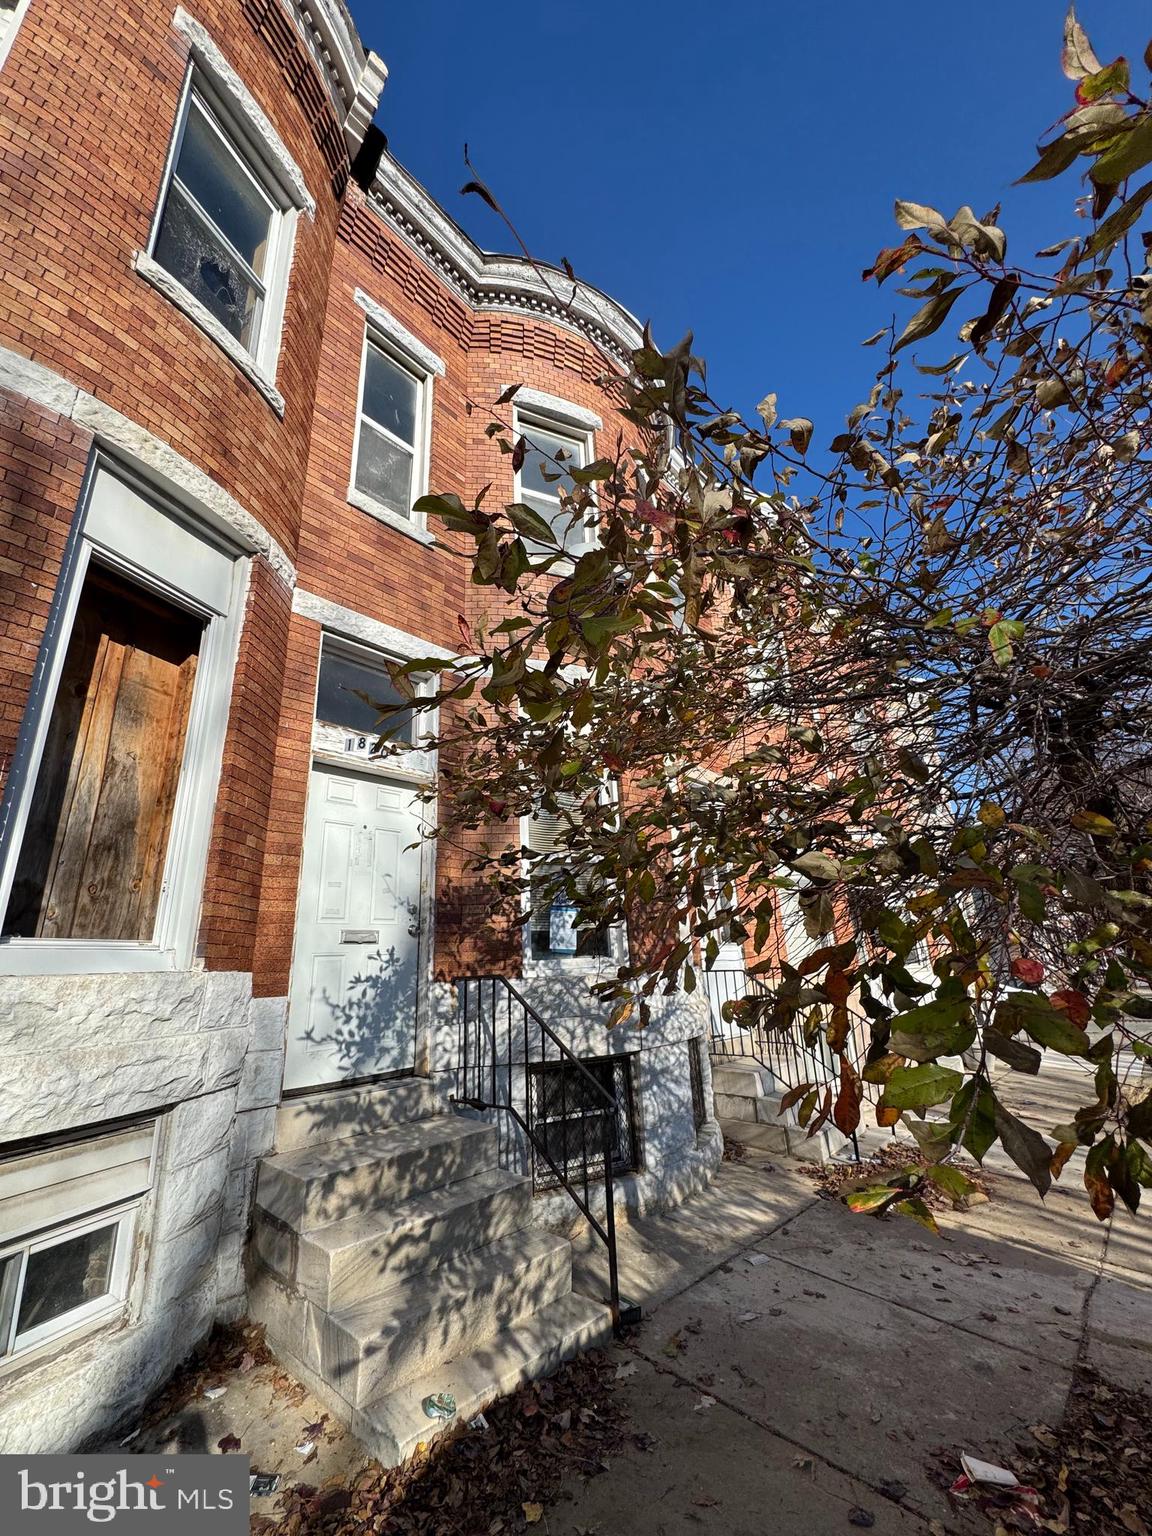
(748, 1109)
(392, 1258)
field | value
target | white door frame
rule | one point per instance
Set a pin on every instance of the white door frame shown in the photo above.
(415, 770)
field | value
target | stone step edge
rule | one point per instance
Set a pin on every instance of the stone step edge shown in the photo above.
(393, 1426)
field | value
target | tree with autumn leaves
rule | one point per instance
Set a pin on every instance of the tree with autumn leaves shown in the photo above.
(904, 672)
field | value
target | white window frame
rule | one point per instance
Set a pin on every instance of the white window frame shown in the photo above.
(121, 545)
(571, 427)
(228, 108)
(568, 964)
(415, 524)
(418, 764)
(18, 15)
(14, 1345)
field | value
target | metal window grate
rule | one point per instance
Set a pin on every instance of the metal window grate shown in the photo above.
(567, 1118)
(696, 1074)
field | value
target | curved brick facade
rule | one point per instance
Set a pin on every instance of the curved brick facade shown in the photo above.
(110, 387)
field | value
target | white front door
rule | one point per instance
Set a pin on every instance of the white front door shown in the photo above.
(355, 967)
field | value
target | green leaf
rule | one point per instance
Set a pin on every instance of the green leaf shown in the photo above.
(1055, 158)
(951, 1181)
(1129, 154)
(927, 1045)
(1021, 1057)
(1000, 638)
(928, 318)
(1113, 80)
(531, 524)
(1031, 899)
(1048, 1026)
(1026, 1147)
(920, 1087)
(941, 1013)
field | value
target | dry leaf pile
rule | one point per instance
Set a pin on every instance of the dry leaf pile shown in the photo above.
(488, 1481)
(834, 1179)
(1094, 1472)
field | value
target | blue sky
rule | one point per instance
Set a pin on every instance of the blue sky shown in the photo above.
(730, 170)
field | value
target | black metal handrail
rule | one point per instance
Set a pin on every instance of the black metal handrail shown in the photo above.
(503, 1041)
(785, 1050)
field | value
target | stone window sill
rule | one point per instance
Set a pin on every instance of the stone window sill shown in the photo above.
(392, 519)
(175, 292)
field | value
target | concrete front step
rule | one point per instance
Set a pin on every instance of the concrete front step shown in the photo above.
(785, 1139)
(352, 1260)
(740, 1079)
(313, 1185)
(453, 1310)
(340, 1113)
(395, 1424)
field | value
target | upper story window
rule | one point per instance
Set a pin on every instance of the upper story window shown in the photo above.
(218, 227)
(393, 421)
(225, 227)
(552, 452)
(390, 438)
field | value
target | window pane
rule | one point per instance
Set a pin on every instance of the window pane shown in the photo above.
(196, 257)
(229, 197)
(92, 860)
(548, 453)
(337, 701)
(569, 530)
(384, 471)
(390, 395)
(66, 1276)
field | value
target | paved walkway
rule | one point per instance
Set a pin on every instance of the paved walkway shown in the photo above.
(800, 1368)
(801, 1378)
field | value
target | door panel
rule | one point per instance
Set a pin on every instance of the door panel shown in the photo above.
(352, 1007)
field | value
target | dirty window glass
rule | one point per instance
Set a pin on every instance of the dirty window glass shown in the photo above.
(216, 228)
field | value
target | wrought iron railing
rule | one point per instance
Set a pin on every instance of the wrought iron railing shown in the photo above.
(790, 1053)
(572, 1134)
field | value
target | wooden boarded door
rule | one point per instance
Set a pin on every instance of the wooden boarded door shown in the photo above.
(92, 861)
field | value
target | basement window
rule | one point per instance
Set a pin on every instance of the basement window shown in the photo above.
(567, 1112)
(68, 1221)
(696, 1078)
(92, 859)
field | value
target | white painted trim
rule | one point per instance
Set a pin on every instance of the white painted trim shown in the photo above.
(124, 1218)
(176, 477)
(415, 524)
(565, 412)
(559, 427)
(353, 78)
(17, 17)
(387, 325)
(176, 293)
(359, 626)
(253, 122)
(186, 855)
(504, 283)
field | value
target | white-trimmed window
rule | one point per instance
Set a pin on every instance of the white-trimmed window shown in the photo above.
(69, 1217)
(553, 932)
(220, 227)
(109, 804)
(390, 457)
(553, 448)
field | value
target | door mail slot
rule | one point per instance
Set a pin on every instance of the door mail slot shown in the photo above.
(359, 935)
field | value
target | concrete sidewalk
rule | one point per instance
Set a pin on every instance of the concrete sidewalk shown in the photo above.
(803, 1380)
(799, 1368)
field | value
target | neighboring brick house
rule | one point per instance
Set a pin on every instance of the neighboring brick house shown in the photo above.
(233, 352)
